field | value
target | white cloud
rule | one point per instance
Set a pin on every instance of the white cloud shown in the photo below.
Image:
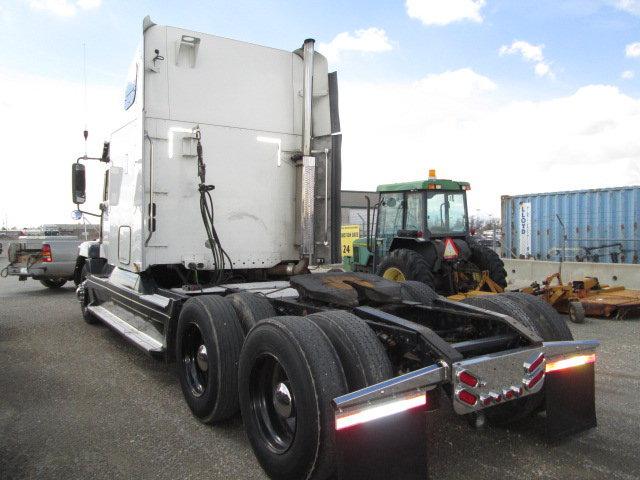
(542, 69)
(627, 75)
(531, 53)
(88, 4)
(459, 123)
(633, 50)
(63, 8)
(443, 12)
(371, 40)
(629, 6)
(528, 51)
(42, 146)
(463, 83)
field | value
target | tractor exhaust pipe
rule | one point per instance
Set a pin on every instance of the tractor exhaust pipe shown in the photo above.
(307, 94)
(308, 162)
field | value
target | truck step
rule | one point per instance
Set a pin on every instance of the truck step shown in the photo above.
(144, 340)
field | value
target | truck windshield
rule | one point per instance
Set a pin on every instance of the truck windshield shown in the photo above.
(132, 80)
(446, 213)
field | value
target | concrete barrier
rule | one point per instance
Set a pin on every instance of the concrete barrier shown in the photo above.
(521, 273)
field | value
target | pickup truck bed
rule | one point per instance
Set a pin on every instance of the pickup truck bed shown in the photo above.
(50, 259)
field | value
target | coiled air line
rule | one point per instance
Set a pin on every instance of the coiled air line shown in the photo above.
(220, 257)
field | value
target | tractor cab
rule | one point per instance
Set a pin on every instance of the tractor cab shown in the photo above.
(426, 209)
(420, 231)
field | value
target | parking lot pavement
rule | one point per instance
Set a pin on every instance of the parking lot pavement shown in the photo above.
(78, 402)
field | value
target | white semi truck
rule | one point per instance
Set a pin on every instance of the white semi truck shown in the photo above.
(223, 195)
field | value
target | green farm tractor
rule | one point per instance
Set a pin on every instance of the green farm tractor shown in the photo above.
(422, 233)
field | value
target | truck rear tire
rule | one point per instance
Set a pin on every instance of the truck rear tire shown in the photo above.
(364, 359)
(403, 264)
(208, 342)
(418, 292)
(515, 410)
(289, 374)
(251, 308)
(552, 326)
(53, 282)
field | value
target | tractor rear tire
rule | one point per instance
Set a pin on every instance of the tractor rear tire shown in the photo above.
(363, 358)
(418, 292)
(403, 264)
(486, 259)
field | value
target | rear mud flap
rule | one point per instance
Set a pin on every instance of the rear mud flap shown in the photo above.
(570, 401)
(394, 447)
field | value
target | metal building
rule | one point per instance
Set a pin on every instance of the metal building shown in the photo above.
(354, 207)
(599, 225)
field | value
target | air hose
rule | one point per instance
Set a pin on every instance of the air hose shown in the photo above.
(220, 257)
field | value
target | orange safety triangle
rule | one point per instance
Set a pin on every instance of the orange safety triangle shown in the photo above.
(450, 249)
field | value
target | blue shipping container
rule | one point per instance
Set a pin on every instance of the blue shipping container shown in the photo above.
(598, 225)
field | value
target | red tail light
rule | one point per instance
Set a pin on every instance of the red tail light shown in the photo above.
(467, 397)
(45, 253)
(533, 366)
(529, 384)
(486, 400)
(468, 379)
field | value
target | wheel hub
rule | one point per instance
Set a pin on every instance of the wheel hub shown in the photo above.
(394, 274)
(282, 400)
(202, 358)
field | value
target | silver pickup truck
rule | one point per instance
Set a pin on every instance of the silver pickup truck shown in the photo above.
(49, 259)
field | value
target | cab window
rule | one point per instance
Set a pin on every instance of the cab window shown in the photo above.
(130, 89)
(390, 217)
(414, 211)
(446, 213)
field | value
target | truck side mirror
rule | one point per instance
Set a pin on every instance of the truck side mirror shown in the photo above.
(105, 153)
(78, 183)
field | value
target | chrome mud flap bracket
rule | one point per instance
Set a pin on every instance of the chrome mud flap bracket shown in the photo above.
(381, 431)
(569, 388)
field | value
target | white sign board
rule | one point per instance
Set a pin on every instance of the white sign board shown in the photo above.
(524, 225)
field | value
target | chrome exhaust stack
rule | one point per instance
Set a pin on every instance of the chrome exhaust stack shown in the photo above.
(307, 193)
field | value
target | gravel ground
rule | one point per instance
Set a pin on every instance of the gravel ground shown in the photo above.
(79, 402)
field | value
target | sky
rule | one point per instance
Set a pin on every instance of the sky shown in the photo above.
(516, 97)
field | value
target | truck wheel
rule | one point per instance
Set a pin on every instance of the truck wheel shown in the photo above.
(84, 273)
(403, 264)
(208, 342)
(417, 292)
(289, 374)
(83, 297)
(486, 259)
(53, 282)
(552, 326)
(576, 312)
(251, 308)
(364, 359)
